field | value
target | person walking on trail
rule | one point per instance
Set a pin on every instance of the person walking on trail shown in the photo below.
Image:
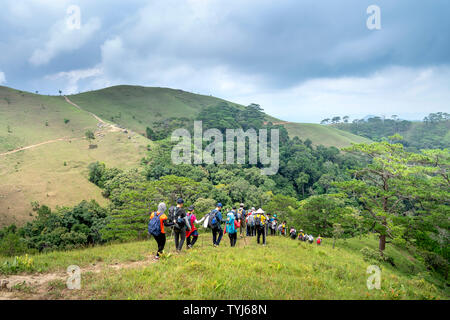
(293, 233)
(215, 220)
(260, 222)
(158, 220)
(310, 239)
(272, 225)
(193, 232)
(242, 221)
(301, 235)
(231, 227)
(247, 222)
(283, 228)
(181, 224)
(319, 240)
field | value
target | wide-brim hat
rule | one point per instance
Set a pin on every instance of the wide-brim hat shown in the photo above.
(260, 210)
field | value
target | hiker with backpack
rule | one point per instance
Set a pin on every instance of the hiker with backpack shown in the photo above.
(241, 217)
(319, 240)
(260, 225)
(272, 225)
(193, 232)
(231, 224)
(158, 220)
(181, 223)
(311, 239)
(251, 221)
(293, 233)
(215, 220)
(247, 222)
(301, 235)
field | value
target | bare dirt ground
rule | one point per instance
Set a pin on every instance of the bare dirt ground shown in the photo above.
(39, 286)
(111, 127)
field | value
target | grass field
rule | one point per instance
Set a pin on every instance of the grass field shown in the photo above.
(54, 173)
(323, 135)
(138, 107)
(284, 269)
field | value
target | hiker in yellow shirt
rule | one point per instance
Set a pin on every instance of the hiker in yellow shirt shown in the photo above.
(260, 223)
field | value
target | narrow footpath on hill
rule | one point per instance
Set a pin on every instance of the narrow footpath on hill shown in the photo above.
(101, 125)
(37, 145)
(111, 127)
(36, 286)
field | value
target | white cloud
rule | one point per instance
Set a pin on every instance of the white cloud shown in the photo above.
(2, 78)
(73, 77)
(61, 39)
(410, 93)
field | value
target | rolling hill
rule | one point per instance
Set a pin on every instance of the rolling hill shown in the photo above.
(287, 269)
(138, 107)
(44, 154)
(324, 135)
(53, 168)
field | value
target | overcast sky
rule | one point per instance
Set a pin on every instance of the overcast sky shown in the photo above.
(301, 60)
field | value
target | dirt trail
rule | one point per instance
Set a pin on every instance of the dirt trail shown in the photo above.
(112, 127)
(38, 284)
(37, 145)
(102, 125)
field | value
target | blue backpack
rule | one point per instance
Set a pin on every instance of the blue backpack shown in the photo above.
(213, 221)
(154, 225)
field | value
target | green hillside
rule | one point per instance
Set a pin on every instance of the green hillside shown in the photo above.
(324, 135)
(139, 107)
(284, 269)
(53, 170)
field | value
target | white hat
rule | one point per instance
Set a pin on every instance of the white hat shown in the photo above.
(260, 211)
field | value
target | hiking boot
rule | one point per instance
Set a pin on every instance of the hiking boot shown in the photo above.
(156, 257)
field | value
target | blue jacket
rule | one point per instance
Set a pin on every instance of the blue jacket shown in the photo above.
(230, 222)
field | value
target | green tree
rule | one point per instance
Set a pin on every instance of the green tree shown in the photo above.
(89, 136)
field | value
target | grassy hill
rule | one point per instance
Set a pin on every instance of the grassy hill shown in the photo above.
(138, 107)
(53, 173)
(53, 170)
(324, 135)
(284, 269)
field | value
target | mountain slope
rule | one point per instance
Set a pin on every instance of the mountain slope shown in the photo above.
(323, 135)
(139, 107)
(284, 269)
(52, 167)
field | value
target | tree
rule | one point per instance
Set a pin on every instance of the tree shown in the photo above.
(345, 118)
(325, 121)
(60, 92)
(336, 119)
(337, 232)
(301, 181)
(397, 185)
(89, 136)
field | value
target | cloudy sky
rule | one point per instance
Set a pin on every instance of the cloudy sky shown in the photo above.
(301, 60)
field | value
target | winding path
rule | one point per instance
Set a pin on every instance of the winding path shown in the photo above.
(112, 128)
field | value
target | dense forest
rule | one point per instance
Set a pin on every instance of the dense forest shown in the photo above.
(382, 188)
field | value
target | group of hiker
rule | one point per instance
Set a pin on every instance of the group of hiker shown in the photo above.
(248, 223)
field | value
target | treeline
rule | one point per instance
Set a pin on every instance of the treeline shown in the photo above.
(221, 116)
(431, 133)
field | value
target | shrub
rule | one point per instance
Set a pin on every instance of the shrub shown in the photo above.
(436, 263)
(12, 245)
(18, 264)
